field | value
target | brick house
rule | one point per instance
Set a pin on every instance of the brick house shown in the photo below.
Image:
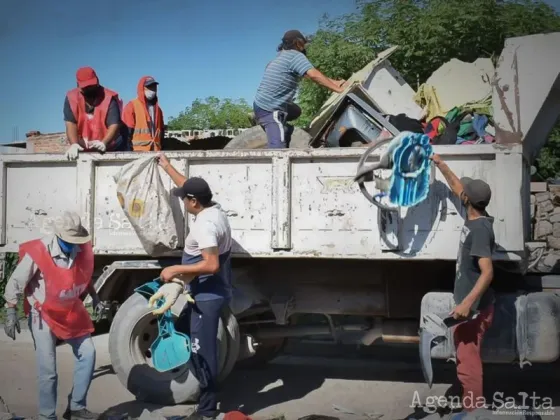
(46, 143)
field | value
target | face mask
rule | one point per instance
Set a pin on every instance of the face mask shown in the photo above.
(66, 247)
(90, 92)
(150, 94)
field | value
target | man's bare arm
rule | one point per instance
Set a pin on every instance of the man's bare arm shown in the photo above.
(173, 173)
(112, 133)
(323, 80)
(483, 282)
(210, 264)
(72, 132)
(452, 179)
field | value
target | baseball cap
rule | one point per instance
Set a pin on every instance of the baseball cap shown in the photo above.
(150, 81)
(477, 191)
(86, 76)
(71, 229)
(293, 35)
(193, 188)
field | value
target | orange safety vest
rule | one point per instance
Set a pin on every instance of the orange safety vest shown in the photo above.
(62, 309)
(142, 139)
(92, 127)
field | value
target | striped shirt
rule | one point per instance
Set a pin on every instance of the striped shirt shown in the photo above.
(280, 81)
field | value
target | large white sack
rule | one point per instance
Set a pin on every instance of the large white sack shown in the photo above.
(146, 204)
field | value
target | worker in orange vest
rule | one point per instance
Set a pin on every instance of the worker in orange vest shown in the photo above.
(144, 117)
(92, 114)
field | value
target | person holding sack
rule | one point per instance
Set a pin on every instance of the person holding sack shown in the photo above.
(52, 274)
(205, 271)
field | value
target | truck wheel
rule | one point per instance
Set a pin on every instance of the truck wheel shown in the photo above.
(255, 138)
(132, 332)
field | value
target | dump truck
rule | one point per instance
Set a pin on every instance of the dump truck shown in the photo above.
(314, 255)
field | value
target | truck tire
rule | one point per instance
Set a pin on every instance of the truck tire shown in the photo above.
(132, 332)
(255, 138)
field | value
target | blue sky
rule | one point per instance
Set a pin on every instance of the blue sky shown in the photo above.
(193, 48)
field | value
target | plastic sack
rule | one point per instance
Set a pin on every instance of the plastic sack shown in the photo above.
(146, 204)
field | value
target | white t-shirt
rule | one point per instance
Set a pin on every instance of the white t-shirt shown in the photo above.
(152, 111)
(210, 229)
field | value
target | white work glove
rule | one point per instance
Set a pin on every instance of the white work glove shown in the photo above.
(12, 323)
(170, 292)
(72, 152)
(97, 145)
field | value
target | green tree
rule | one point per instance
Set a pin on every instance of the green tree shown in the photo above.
(212, 113)
(548, 163)
(429, 33)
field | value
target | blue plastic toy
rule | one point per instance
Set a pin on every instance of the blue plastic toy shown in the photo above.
(171, 349)
(410, 182)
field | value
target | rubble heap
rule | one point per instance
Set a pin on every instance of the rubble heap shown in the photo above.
(545, 213)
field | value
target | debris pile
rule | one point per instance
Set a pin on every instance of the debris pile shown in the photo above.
(545, 213)
(456, 104)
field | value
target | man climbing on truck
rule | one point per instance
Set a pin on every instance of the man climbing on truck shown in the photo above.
(474, 298)
(273, 105)
(206, 270)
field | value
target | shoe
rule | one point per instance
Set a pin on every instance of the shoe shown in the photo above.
(83, 414)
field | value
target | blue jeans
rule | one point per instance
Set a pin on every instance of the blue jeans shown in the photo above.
(47, 378)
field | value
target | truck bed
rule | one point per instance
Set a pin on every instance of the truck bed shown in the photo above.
(280, 203)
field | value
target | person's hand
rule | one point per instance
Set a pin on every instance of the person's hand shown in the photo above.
(436, 159)
(341, 83)
(72, 152)
(169, 292)
(461, 311)
(97, 145)
(167, 274)
(99, 308)
(162, 160)
(12, 323)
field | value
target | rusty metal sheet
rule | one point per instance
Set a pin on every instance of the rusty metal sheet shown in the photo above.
(526, 91)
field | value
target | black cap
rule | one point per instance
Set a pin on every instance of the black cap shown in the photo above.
(150, 81)
(477, 191)
(294, 35)
(194, 188)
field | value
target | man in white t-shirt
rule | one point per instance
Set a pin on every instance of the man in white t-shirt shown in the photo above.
(207, 257)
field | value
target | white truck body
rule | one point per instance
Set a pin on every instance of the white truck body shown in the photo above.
(280, 203)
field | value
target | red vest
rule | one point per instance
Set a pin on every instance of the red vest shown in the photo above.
(92, 128)
(62, 310)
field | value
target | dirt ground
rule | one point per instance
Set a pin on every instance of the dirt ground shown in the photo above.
(309, 378)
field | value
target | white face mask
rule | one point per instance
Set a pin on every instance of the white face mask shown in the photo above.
(150, 94)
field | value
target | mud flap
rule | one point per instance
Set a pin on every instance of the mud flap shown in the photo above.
(433, 331)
